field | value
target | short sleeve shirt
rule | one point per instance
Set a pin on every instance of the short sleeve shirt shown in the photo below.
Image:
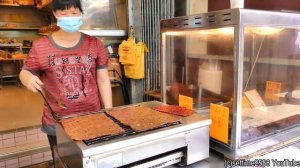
(68, 73)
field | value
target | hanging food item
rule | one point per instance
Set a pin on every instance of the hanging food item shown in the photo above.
(132, 57)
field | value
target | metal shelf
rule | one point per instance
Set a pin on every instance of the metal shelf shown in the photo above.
(106, 33)
(12, 45)
(217, 57)
(263, 60)
(279, 61)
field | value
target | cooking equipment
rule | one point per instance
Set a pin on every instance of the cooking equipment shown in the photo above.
(57, 101)
(187, 142)
(54, 115)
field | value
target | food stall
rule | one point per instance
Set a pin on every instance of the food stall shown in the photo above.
(241, 67)
(149, 138)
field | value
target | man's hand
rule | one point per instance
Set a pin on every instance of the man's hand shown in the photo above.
(32, 82)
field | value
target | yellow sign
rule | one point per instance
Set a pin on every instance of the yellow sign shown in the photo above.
(220, 122)
(272, 88)
(185, 101)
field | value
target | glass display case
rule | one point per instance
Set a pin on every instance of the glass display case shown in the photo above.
(105, 18)
(241, 67)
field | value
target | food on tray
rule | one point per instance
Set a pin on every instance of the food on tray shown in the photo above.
(53, 27)
(90, 126)
(18, 55)
(8, 41)
(43, 29)
(3, 54)
(141, 118)
(49, 29)
(174, 109)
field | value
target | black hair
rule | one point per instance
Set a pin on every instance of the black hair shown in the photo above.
(66, 4)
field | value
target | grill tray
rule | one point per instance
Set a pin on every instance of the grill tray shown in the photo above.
(128, 132)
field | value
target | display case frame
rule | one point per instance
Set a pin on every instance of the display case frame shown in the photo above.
(239, 19)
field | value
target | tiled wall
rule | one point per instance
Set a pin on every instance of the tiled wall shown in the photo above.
(15, 139)
(26, 160)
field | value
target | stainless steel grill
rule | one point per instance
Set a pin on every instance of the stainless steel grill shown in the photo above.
(128, 132)
(187, 143)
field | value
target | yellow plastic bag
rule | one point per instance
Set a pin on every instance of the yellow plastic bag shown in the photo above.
(137, 70)
(127, 51)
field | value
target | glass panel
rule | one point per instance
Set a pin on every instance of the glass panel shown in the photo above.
(271, 81)
(104, 14)
(199, 64)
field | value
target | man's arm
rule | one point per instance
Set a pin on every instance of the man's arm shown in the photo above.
(104, 86)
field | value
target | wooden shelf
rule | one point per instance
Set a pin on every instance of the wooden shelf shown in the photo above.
(9, 5)
(12, 45)
(154, 94)
(12, 59)
(44, 34)
(18, 5)
(19, 28)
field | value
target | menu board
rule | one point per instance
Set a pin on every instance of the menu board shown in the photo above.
(272, 90)
(220, 122)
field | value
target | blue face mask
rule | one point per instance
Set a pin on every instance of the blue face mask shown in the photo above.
(69, 24)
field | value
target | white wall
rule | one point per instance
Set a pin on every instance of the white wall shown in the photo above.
(197, 6)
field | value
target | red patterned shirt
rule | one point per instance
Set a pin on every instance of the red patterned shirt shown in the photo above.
(68, 73)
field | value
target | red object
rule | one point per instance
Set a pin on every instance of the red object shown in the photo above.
(174, 109)
(69, 74)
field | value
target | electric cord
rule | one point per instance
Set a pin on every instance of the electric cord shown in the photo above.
(255, 61)
(122, 83)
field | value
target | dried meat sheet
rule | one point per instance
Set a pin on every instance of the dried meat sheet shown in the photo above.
(174, 109)
(141, 118)
(90, 126)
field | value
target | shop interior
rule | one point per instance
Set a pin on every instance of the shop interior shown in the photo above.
(20, 25)
(246, 69)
